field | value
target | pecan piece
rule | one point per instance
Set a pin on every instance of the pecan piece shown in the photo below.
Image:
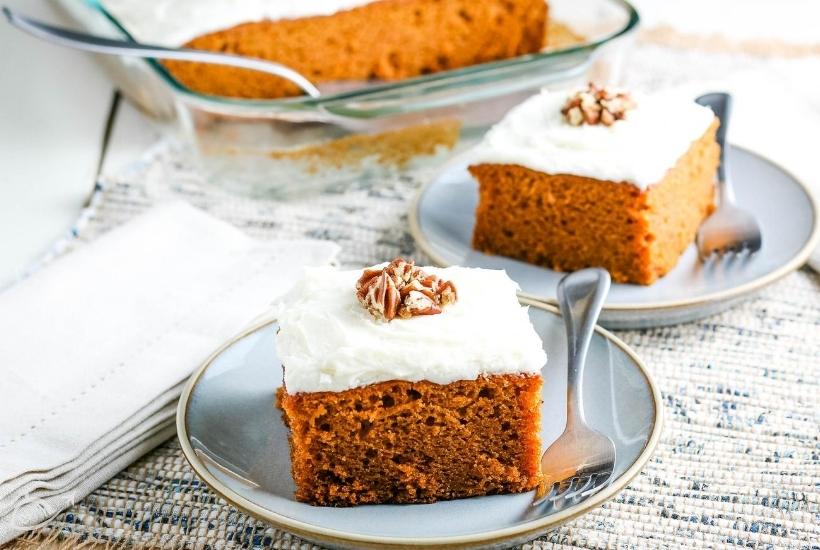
(597, 105)
(418, 303)
(403, 290)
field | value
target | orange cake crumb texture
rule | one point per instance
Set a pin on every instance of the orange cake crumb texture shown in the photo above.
(568, 222)
(384, 40)
(405, 442)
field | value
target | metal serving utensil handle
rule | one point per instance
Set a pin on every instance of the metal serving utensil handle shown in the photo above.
(99, 44)
(581, 296)
(721, 105)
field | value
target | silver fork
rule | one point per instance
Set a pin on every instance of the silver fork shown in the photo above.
(581, 461)
(729, 230)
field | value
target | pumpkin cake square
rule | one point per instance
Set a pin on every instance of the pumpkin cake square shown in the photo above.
(409, 385)
(597, 178)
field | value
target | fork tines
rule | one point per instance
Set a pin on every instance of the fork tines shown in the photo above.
(575, 487)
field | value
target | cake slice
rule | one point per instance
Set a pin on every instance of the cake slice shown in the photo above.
(383, 40)
(405, 384)
(597, 178)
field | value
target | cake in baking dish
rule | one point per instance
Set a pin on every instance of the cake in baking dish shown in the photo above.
(334, 40)
(598, 178)
(405, 384)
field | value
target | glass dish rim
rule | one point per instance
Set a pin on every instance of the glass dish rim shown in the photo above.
(306, 102)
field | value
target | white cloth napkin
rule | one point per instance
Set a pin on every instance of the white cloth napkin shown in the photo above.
(95, 347)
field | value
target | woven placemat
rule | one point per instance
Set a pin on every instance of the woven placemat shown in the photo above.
(739, 460)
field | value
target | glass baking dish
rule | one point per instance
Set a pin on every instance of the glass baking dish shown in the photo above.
(285, 147)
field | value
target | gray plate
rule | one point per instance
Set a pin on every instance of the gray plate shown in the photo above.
(235, 440)
(443, 216)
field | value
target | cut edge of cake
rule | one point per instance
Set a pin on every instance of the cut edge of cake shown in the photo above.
(419, 442)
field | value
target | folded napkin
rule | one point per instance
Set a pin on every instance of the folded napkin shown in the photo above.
(96, 346)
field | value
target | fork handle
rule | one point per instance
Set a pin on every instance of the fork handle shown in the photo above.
(721, 105)
(581, 296)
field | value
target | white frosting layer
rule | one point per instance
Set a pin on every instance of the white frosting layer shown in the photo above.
(328, 342)
(174, 22)
(638, 150)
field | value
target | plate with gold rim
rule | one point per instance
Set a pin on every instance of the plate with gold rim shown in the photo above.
(443, 215)
(235, 439)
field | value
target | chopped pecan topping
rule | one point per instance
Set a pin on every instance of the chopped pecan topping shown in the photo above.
(596, 105)
(403, 290)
